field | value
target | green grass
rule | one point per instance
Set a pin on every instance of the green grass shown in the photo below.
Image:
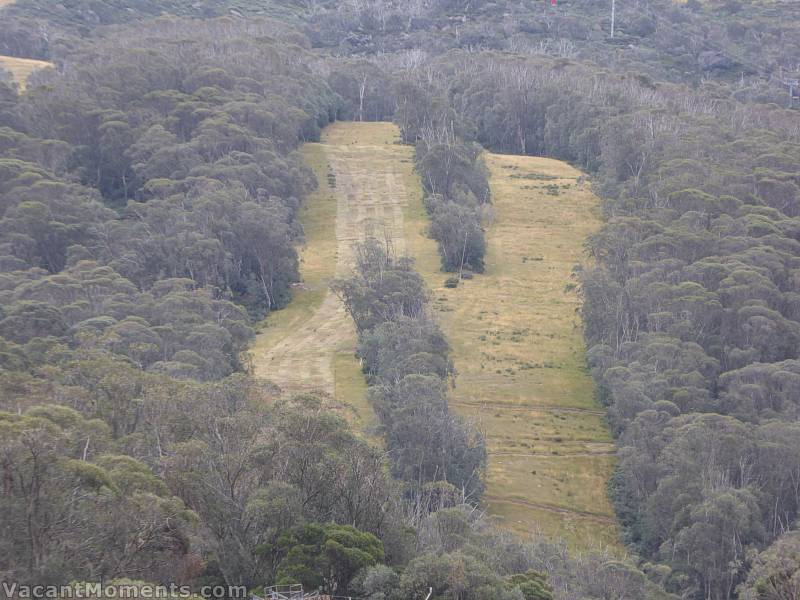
(310, 344)
(351, 392)
(317, 260)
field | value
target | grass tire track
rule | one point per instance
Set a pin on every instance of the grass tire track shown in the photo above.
(531, 408)
(582, 514)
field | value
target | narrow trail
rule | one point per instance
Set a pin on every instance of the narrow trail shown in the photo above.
(554, 454)
(370, 196)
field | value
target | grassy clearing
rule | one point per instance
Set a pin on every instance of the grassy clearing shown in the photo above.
(310, 345)
(317, 268)
(21, 68)
(515, 331)
(518, 348)
(351, 393)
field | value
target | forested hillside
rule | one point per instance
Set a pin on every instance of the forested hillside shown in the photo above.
(150, 188)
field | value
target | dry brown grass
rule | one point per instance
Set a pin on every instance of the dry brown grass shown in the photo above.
(518, 348)
(310, 345)
(21, 68)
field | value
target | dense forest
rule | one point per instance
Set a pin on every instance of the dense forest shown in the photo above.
(149, 195)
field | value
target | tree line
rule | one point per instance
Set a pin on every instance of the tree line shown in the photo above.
(405, 358)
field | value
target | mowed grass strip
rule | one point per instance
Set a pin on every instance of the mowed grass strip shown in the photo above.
(519, 352)
(317, 262)
(332, 340)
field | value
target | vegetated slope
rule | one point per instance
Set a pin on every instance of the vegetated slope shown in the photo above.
(520, 357)
(310, 345)
(515, 330)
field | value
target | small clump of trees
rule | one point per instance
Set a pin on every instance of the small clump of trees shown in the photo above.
(454, 177)
(405, 358)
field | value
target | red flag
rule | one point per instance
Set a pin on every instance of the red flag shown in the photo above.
(553, 2)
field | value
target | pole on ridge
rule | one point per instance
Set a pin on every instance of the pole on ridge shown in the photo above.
(613, 15)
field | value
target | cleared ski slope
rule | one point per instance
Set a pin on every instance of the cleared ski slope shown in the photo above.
(515, 330)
